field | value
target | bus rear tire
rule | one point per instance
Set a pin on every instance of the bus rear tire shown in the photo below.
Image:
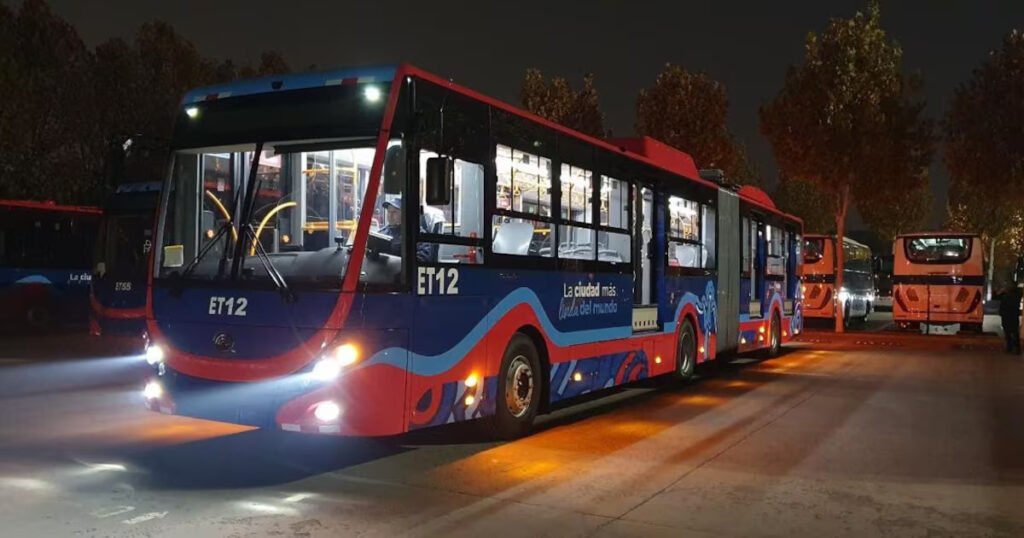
(686, 355)
(520, 386)
(774, 337)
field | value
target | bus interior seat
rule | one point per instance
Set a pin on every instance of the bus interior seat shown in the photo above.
(513, 238)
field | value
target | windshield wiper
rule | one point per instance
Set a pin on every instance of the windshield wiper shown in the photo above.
(247, 233)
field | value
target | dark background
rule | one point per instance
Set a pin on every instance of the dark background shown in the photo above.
(488, 45)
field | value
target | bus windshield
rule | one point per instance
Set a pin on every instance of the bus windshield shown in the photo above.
(938, 249)
(308, 199)
(814, 249)
(124, 244)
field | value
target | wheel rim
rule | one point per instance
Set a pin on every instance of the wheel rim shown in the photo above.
(686, 350)
(519, 386)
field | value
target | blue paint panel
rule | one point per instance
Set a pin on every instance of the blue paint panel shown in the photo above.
(263, 307)
(297, 81)
(65, 292)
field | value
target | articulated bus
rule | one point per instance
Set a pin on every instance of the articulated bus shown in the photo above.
(121, 264)
(818, 274)
(45, 253)
(938, 282)
(290, 292)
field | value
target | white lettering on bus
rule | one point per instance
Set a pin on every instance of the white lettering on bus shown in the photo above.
(437, 281)
(228, 306)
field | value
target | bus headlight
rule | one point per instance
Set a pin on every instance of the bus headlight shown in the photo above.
(327, 411)
(154, 354)
(330, 367)
(152, 391)
(843, 296)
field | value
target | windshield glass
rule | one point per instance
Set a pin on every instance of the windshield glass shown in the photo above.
(814, 250)
(124, 246)
(307, 200)
(938, 249)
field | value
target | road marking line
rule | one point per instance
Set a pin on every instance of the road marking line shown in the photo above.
(145, 517)
(115, 511)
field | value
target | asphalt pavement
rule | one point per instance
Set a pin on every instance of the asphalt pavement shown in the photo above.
(841, 436)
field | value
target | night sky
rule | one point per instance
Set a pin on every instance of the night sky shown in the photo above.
(488, 45)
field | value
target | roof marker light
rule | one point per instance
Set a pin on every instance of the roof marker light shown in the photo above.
(372, 94)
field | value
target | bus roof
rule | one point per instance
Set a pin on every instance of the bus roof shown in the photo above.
(643, 149)
(832, 236)
(50, 205)
(940, 234)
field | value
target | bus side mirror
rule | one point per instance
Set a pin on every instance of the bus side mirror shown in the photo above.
(440, 171)
(394, 169)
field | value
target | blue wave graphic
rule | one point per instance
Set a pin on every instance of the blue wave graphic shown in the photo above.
(430, 365)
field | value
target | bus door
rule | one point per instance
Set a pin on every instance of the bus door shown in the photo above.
(758, 284)
(643, 291)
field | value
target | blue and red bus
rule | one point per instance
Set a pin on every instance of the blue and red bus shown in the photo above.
(120, 274)
(290, 291)
(45, 254)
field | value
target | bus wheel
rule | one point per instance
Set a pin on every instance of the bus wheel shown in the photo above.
(519, 389)
(686, 356)
(775, 336)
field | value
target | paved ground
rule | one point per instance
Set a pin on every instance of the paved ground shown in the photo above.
(850, 436)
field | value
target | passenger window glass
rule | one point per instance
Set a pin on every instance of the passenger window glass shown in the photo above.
(614, 203)
(683, 219)
(708, 239)
(577, 194)
(521, 237)
(524, 182)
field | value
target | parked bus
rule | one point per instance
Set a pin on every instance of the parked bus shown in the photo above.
(45, 253)
(287, 292)
(938, 282)
(820, 298)
(883, 281)
(121, 270)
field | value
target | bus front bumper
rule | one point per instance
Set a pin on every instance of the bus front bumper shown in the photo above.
(352, 406)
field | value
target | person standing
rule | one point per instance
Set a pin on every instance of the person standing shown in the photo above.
(1009, 312)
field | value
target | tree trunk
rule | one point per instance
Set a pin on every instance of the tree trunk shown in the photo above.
(842, 207)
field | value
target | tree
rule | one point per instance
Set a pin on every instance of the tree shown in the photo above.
(804, 199)
(556, 100)
(688, 111)
(845, 120)
(897, 211)
(746, 172)
(984, 149)
(44, 150)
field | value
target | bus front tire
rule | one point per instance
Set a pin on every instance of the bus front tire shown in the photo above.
(686, 355)
(519, 389)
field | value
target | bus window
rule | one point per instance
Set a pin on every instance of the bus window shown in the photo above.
(463, 217)
(614, 209)
(814, 250)
(708, 239)
(577, 186)
(524, 182)
(938, 249)
(746, 260)
(684, 246)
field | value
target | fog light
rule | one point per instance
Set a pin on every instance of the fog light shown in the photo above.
(152, 391)
(154, 354)
(330, 367)
(470, 400)
(327, 411)
(577, 377)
